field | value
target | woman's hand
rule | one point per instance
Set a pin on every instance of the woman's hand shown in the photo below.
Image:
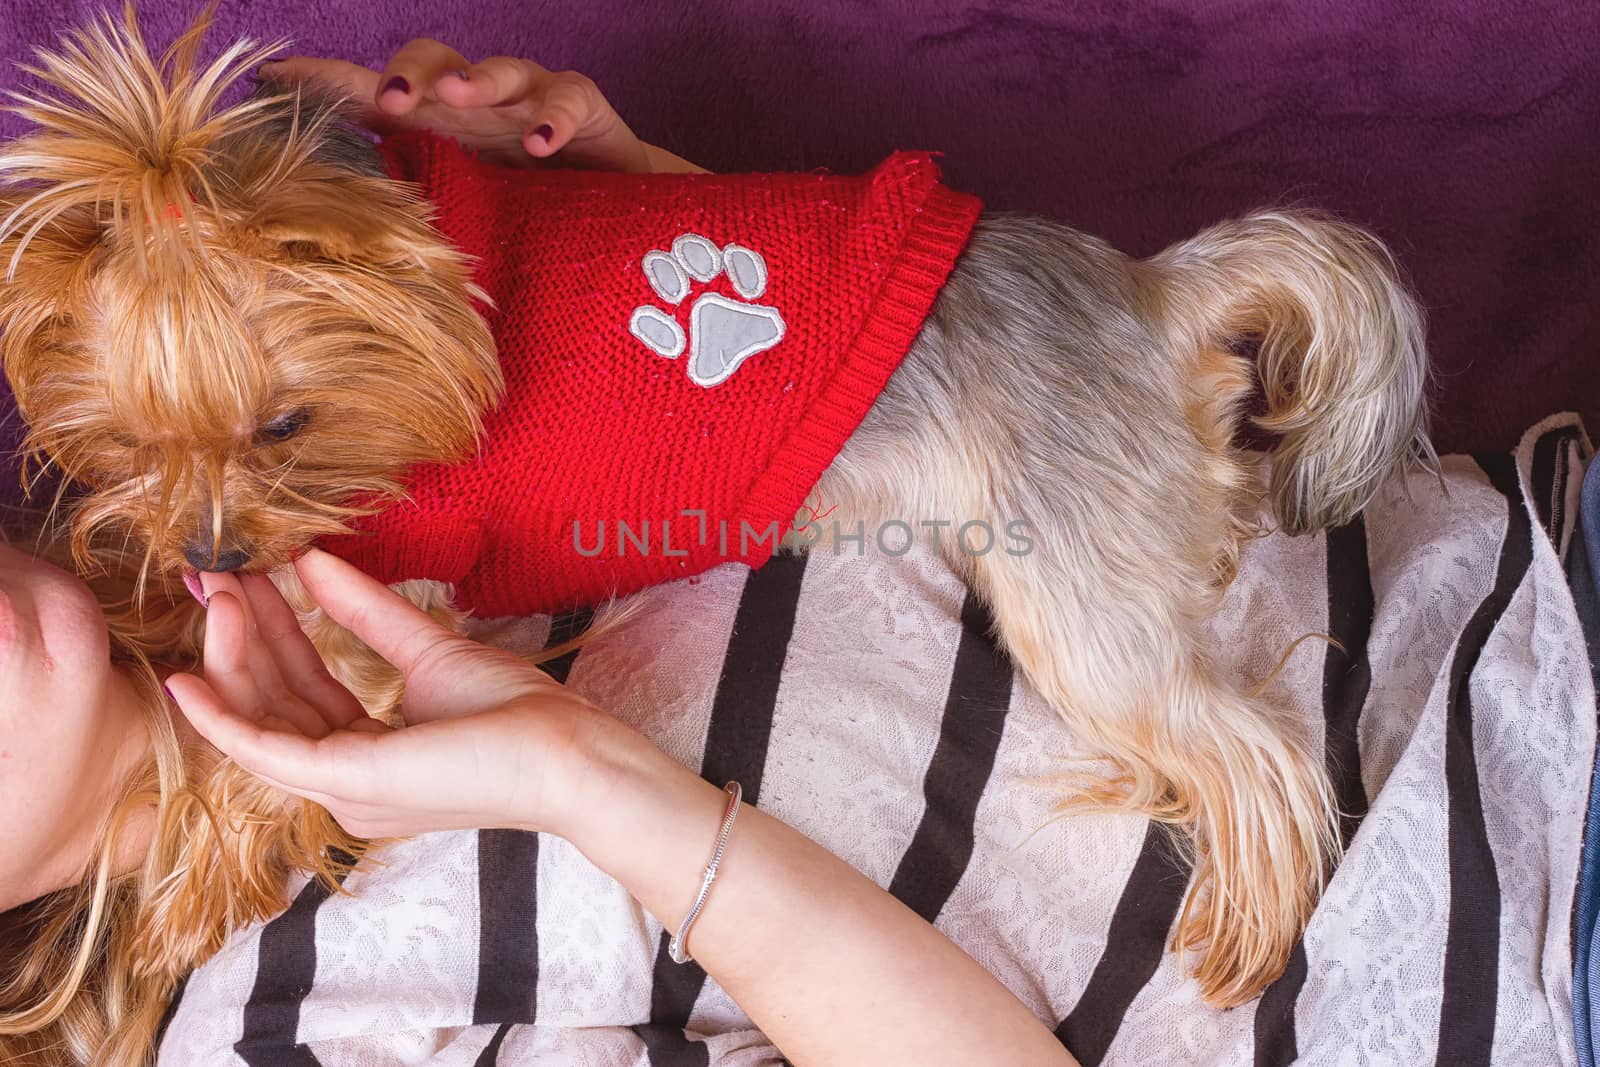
(490, 739)
(511, 111)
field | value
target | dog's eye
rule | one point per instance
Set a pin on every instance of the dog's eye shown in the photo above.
(286, 425)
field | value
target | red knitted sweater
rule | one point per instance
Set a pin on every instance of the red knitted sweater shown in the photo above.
(670, 344)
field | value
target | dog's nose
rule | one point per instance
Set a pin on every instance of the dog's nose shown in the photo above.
(200, 557)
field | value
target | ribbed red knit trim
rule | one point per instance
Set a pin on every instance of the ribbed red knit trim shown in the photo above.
(933, 243)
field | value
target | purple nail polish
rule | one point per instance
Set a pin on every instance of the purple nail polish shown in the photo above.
(397, 83)
(165, 689)
(545, 133)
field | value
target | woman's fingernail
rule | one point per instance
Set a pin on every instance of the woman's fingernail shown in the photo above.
(397, 83)
(545, 133)
(168, 690)
(463, 74)
(191, 582)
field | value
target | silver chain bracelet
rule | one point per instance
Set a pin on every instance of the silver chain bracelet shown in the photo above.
(678, 949)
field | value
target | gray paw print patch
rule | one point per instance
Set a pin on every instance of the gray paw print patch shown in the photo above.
(723, 333)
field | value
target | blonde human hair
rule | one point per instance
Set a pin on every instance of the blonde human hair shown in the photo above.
(87, 972)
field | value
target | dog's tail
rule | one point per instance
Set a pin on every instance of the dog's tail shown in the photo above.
(1342, 357)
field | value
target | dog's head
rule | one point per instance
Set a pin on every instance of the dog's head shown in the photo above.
(225, 324)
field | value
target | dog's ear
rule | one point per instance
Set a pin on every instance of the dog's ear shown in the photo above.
(36, 278)
(324, 119)
(309, 182)
(311, 219)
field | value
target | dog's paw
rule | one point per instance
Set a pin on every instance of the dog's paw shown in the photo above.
(723, 333)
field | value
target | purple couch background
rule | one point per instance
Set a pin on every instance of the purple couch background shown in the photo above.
(1467, 134)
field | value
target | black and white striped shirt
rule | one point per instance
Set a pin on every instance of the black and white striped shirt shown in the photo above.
(862, 701)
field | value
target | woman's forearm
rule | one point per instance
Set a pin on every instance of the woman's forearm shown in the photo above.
(832, 968)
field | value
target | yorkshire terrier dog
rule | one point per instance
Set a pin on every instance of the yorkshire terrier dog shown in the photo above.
(236, 331)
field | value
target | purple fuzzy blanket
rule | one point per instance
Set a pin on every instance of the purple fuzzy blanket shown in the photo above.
(1466, 134)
